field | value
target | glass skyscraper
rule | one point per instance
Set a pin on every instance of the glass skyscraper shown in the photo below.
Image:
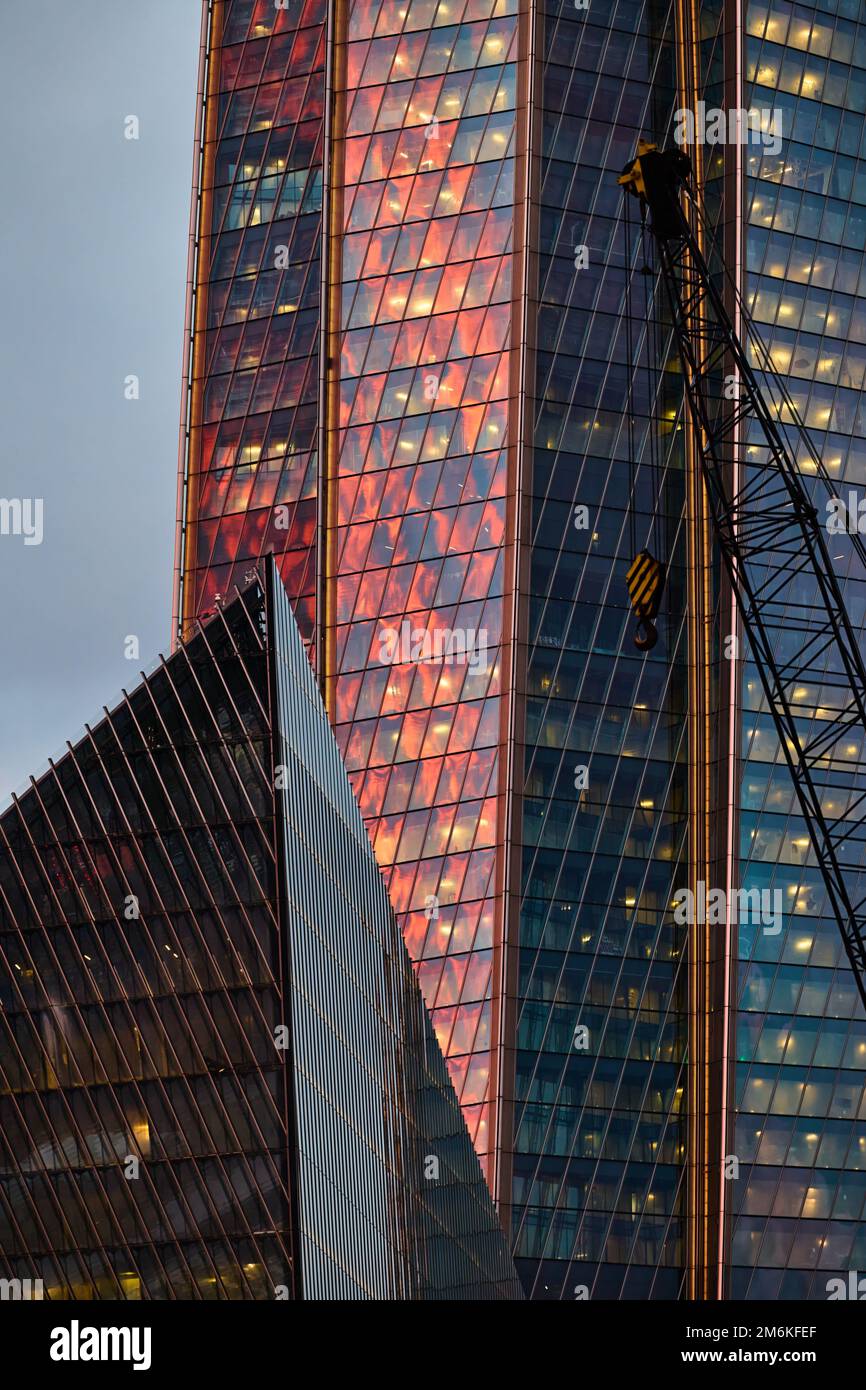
(800, 1126)
(217, 1076)
(454, 401)
(425, 369)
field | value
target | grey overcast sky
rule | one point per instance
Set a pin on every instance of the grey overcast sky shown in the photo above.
(93, 242)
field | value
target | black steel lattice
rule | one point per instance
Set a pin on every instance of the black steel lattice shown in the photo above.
(774, 548)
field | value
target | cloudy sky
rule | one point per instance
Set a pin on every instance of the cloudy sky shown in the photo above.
(93, 239)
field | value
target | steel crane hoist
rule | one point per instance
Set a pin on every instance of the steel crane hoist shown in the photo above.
(773, 544)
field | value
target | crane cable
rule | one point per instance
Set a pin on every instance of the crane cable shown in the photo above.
(646, 575)
(654, 359)
(629, 349)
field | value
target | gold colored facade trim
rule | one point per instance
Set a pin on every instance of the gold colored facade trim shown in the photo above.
(712, 779)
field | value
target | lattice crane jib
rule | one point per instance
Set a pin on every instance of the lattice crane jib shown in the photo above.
(774, 544)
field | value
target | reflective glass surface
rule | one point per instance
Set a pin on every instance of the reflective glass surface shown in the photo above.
(801, 1032)
(217, 1076)
(426, 171)
(252, 447)
(599, 1146)
(392, 1199)
(143, 1104)
(426, 392)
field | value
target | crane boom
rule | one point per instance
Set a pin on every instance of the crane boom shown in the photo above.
(774, 548)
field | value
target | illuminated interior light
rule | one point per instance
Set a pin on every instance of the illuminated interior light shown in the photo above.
(141, 1134)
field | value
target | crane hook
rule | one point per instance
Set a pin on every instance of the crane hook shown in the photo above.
(646, 635)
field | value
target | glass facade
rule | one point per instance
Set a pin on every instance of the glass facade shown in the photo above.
(399, 515)
(383, 1148)
(427, 94)
(599, 1143)
(217, 1077)
(428, 374)
(251, 442)
(144, 1105)
(801, 1031)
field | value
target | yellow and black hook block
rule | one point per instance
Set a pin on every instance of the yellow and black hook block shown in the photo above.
(646, 582)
